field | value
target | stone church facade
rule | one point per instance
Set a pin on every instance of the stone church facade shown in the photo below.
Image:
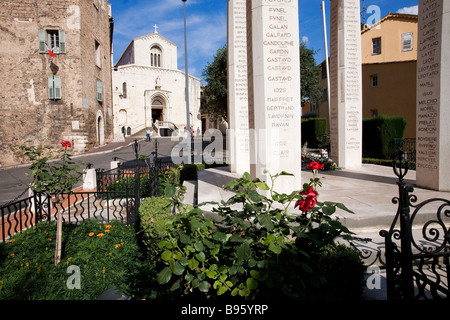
(56, 75)
(149, 90)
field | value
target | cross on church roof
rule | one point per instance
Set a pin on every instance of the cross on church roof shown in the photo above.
(156, 27)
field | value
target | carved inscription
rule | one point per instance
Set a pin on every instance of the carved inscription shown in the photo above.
(428, 84)
(239, 82)
(281, 50)
(345, 80)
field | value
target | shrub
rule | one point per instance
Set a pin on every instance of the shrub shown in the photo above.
(379, 134)
(257, 249)
(312, 131)
(155, 214)
(188, 172)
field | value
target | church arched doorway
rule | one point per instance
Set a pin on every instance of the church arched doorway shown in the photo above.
(158, 106)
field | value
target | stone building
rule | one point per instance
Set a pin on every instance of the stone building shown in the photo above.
(56, 74)
(149, 90)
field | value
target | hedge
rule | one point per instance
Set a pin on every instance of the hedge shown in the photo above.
(312, 128)
(379, 134)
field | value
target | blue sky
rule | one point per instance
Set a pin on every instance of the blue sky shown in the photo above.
(207, 25)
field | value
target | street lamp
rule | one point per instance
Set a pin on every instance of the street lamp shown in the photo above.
(188, 125)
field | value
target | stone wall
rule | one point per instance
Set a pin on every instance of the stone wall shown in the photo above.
(26, 110)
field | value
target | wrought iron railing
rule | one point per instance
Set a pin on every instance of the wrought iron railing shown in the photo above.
(75, 207)
(417, 251)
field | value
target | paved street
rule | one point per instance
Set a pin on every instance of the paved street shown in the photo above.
(14, 182)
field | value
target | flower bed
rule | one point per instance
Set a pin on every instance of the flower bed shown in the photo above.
(94, 258)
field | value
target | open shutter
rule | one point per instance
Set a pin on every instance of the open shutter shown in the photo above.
(51, 91)
(41, 36)
(99, 91)
(54, 88)
(57, 86)
(62, 41)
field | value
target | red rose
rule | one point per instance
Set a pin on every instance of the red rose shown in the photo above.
(315, 166)
(309, 202)
(66, 144)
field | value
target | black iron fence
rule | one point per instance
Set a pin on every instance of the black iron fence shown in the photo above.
(408, 146)
(417, 250)
(118, 196)
(75, 207)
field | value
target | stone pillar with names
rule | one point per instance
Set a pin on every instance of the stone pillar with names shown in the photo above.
(238, 133)
(274, 91)
(433, 96)
(346, 85)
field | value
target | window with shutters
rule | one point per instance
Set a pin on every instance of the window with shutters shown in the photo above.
(407, 41)
(99, 91)
(54, 88)
(54, 40)
(376, 46)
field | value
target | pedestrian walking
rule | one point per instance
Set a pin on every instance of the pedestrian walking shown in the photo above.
(147, 134)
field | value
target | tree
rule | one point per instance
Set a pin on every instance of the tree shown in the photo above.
(214, 100)
(309, 71)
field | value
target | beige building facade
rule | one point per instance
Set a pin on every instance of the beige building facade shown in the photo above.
(389, 60)
(56, 75)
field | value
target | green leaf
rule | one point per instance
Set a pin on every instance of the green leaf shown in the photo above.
(164, 243)
(254, 274)
(343, 207)
(204, 286)
(201, 256)
(178, 269)
(164, 276)
(244, 252)
(275, 248)
(166, 255)
(266, 221)
(183, 261)
(220, 236)
(169, 190)
(199, 246)
(188, 277)
(211, 274)
(184, 238)
(193, 264)
(222, 290)
(262, 186)
(252, 283)
(329, 210)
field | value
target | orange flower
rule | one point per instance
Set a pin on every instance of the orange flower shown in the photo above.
(100, 235)
(12, 240)
(118, 245)
(49, 239)
(91, 234)
(108, 226)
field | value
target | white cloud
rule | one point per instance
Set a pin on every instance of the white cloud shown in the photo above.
(409, 10)
(305, 39)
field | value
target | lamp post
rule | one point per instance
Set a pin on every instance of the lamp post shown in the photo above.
(188, 122)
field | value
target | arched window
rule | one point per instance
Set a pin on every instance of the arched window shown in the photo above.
(155, 57)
